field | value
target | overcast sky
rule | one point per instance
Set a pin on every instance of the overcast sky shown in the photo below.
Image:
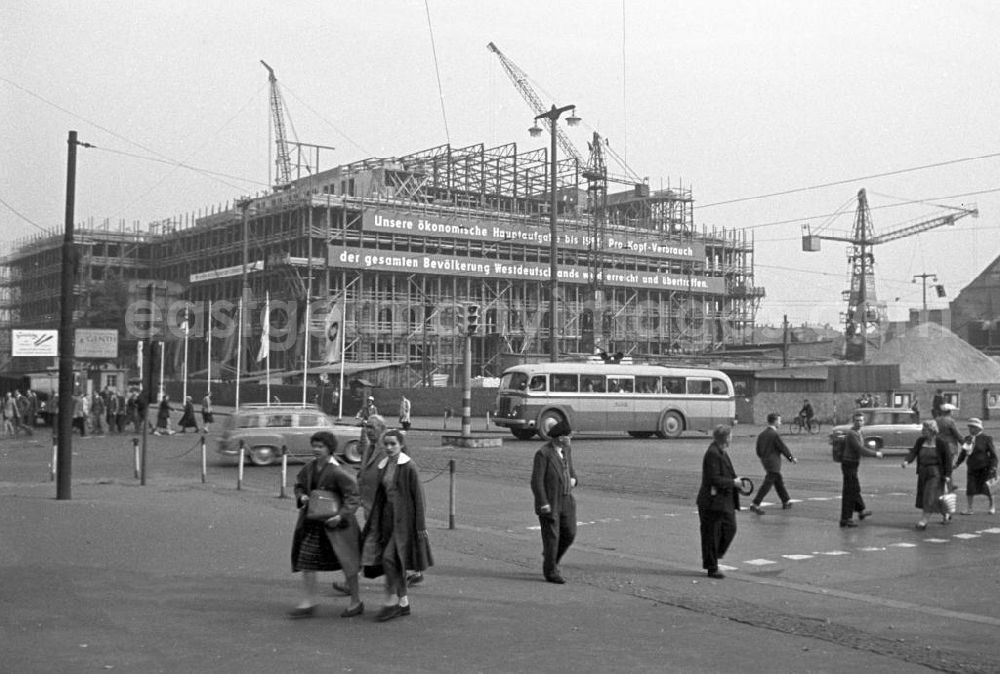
(734, 99)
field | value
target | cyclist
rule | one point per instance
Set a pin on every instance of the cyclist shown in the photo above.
(806, 414)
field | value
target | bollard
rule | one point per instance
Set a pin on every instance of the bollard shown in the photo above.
(284, 471)
(55, 457)
(135, 456)
(239, 473)
(204, 460)
(451, 493)
(487, 420)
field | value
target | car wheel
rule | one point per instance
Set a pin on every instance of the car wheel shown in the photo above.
(523, 433)
(350, 453)
(547, 421)
(263, 455)
(671, 425)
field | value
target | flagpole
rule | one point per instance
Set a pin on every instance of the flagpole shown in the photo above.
(265, 342)
(343, 342)
(239, 351)
(305, 350)
(184, 387)
(163, 353)
(208, 338)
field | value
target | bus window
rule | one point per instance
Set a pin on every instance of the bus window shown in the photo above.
(537, 383)
(514, 381)
(647, 384)
(592, 383)
(702, 387)
(719, 388)
(619, 385)
(564, 383)
(673, 384)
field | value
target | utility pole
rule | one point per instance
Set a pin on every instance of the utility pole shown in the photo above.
(924, 278)
(64, 439)
(784, 342)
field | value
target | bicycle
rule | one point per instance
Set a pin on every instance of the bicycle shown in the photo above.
(799, 424)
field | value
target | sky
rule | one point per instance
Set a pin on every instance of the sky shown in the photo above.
(774, 113)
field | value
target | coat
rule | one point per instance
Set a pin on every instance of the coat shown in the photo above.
(855, 448)
(372, 455)
(931, 474)
(770, 449)
(717, 490)
(982, 453)
(407, 529)
(547, 484)
(188, 419)
(344, 542)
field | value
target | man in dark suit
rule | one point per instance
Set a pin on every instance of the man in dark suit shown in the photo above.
(718, 500)
(770, 449)
(552, 482)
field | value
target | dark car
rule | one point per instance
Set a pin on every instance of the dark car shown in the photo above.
(893, 430)
(267, 430)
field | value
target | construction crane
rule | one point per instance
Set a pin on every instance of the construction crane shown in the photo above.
(282, 160)
(865, 315)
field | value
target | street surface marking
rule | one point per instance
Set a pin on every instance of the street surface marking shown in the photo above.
(936, 540)
(902, 545)
(872, 548)
(796, 558)
(833, 553)
(759, 562)
(994, 530)
(966, 536)
(723, 567)
(822, 498)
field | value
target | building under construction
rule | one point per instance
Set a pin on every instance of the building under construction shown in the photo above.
(393, 250)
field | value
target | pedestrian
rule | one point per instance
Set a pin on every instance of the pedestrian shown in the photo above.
(854, 448)
(978, 448)
(9, 412)
(207, 415)
(936, 403)
(330, 543)
(80, 413)
(188, 419)
(404, 413)
(915, 408)
(552, 481)
(119, 410)
(367, 409)
(34, 405)
(948, 430)
(770, 449)
(163, 417)
(98, 414)
(806, 414)
(930, 452)
(395, 535)
(718, 500)
(25, 420)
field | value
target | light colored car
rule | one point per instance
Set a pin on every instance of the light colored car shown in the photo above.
(267, 430)
(893, 430)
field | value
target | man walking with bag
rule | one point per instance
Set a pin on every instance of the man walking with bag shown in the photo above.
(770, 449)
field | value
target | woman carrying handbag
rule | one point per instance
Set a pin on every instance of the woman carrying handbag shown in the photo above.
(933, 458)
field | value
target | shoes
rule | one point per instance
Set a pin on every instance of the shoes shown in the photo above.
(864, 514)
(946, 518)
(301, 612)
(993, 510)
(921, 525)
(848, 523)
(715, 573)
(754, 508)
(404, 610)
(787, 505)
(341, 588)
(388, 613)
(556, 578)
(414, 578)
(351, 612)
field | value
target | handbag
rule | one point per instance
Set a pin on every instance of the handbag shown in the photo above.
(323, 505)
(949, 503)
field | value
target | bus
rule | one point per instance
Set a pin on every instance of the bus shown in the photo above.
(641, 400)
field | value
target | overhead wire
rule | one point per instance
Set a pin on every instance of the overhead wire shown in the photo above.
(23, 216)
(437, 71)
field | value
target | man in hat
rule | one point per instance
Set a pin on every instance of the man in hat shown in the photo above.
(552, 482)
(982, 466)
(948, 430)
(367, 410)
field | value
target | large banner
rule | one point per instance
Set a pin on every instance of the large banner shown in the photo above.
(389, 220)
(343, 257)
(334, 333)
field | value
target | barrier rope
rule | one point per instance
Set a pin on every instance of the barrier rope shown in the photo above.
(439, 474)
(196, 445)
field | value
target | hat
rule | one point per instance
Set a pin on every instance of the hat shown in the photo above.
(371, 397)
(976, 423)
(560, 429)
(948, 407)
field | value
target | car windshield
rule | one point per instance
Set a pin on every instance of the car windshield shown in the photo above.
(514, 382)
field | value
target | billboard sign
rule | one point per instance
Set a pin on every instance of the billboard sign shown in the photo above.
(96, 343)
(34, 342)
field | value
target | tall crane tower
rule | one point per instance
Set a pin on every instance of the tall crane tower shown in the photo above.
(865, 315)
(282, 159)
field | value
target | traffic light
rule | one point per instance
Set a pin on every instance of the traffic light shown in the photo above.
(940, 291)
(472, 318)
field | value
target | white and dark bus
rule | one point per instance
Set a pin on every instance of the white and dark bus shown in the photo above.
(641, 400)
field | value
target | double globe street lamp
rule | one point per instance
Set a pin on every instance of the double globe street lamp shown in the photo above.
(552, 116)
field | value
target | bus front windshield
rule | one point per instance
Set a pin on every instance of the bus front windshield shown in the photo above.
(514, 382)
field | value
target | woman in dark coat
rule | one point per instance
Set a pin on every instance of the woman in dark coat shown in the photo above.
(933, 459)
(331, 544)
(163, 417)
(982, 464)
(188, 420)
(395, 536)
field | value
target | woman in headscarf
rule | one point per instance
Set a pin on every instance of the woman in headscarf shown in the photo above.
(188, 420)
(330, 544)
(982, 464)
(933, 472)
(395, 536)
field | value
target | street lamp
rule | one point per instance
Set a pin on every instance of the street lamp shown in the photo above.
(553, 116)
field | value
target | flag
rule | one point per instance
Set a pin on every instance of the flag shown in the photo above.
(265, 330)
(138, 356)
(334, 332)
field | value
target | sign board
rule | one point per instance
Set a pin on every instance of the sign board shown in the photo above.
(34, 342)
(96, 343)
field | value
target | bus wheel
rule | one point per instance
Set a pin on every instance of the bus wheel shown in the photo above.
(523, 433)
(547, 421)
(641, 434)
(671, 425)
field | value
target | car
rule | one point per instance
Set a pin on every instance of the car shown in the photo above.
(892, 430)
(265, 430)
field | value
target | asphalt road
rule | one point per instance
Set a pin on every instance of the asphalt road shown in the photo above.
(181, 575)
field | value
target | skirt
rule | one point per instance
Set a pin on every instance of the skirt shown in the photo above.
(207, 417)
(977, 482)
(315, 553)
(929, 489)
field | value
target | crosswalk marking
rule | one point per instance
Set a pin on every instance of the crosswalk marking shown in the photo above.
(759, 562)
(796, 558)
